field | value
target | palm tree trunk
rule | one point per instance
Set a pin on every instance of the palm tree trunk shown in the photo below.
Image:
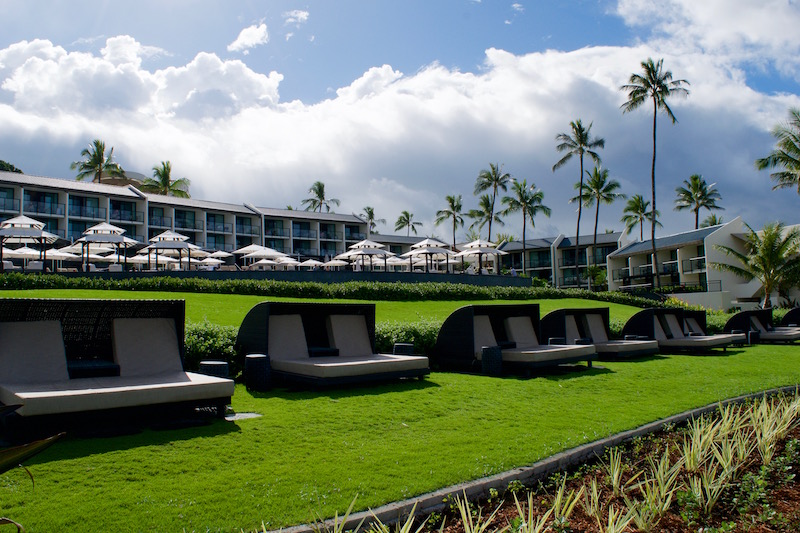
(594, 243)
(578, 228)
(697, 218)
(491, 215)
(653, 186)
(524, 220)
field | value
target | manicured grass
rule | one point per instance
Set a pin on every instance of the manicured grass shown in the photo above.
(230, 309)
(316, 450)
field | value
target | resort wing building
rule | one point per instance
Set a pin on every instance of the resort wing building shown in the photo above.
(69, 207)
(554, 259)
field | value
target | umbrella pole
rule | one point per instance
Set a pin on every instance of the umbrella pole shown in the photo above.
(44, 254)
(2, 264)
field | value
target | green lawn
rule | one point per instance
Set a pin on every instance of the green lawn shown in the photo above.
(316, 450)
(230, 309)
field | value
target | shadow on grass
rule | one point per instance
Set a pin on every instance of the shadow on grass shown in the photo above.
(635, 359)
(346, 391)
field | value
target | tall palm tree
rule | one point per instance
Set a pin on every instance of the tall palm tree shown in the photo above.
(786, 154)
(484, 215)
(635, 213)
(529, 201)
(711, 220)
(162, 182)
(318, 199)
(770, 256)
(95, 163)
(495, 179)
(453, 211)
(597, 190)
(654, 85)
(372, 222)
(578, 143)
(406, 220)
(696, 194)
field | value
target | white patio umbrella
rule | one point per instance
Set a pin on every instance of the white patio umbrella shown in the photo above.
(219, 254)
(478, 252)
(25, 230)
(264, 253)
(479, 243)
(428, 243)
(366, 243)
(263, 263)
(24, 252)
(335, 263)
(362, 253)
(211, 261)
(429, 253)
(310, 263)
(250, 248)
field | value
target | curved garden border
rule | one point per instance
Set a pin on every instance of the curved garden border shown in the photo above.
(479, 488)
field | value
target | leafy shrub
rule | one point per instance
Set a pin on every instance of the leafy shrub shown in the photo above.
(206, 341)
(422, 334)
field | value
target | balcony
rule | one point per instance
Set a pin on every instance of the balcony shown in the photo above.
(329, 251)
(252, 231)
(188, 225)
(570, 262)
(43, 208)
(276, 232)
(539, 264)
(572, 282)
(9, 205)
(156, 221)
(669, 267)
(694, 266)
(119, 215)
(330, 235)
(620, 274)
(213, 245)
(305, 251)
(219, 227)
(354, 236)
(304, 233)
(93, 213)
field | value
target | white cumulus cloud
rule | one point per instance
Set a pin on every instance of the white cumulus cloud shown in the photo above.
(296, 17)
(250, 37)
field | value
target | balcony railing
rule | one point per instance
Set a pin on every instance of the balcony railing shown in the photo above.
(539, 264)
(690, 266)
(570, 262)
(219, 227)
(225, 247)
(9, 204)
(304, 233)
(572, 282)
(79, 211)
(159, 221)
(43, 208)
(330, 235)
(305, 251)
(354, 236)
(330, 251)
(253, 231)
(276, 232)
(188, 225)
(669, 267)
(619, 274)
(119, 215)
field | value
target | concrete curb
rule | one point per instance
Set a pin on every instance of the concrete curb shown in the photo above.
(479, 488)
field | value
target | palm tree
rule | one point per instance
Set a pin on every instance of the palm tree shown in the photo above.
(318, 199)
(696, 194)
(529, 201)
(655, 85)
(484, 215)
(635, 213)
(162, 182)
(786, 154)
(771, 257)
(597, 190)
(96, 164)
(711, 220)
(453, 211)
(372, 222)
(493, 179)
(406, 220)
(579, 143)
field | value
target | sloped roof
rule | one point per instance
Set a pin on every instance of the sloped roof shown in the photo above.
(668, 242)
(602, 238)
(66, 184)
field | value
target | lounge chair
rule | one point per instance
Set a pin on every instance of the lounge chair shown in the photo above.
(35, 266)
(34, 370)
(696, 326)
(666, 326)
(469, 329)
(8, 266)
(322, 344)
(592, 325)
(760, 320)
(116, 267)
(791, 318)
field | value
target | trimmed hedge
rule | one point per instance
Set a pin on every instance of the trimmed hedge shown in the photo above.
(207, 341)
(356, 290)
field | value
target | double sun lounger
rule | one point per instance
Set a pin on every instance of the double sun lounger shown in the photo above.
(760, 320)
(322, 344)
(678, 330)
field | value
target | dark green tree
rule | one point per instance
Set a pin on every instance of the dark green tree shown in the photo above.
(8, 167)
(96, 164)
(318, 200)
(696, 194)
(451, 212)
(529, 201)
(493, 179)
(162, 182)
(786, 155)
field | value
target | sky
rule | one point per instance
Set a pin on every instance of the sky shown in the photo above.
(396, 105)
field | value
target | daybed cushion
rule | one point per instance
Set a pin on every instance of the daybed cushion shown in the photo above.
(483, 333)
(571, 329)
(146, 346)
(547, 353)
(339, 367)
(32, 352)
(91, 394)
(624, 346)
(784, 334)
(597, 328)
(520, 330)
(348, 334)
(286, 338)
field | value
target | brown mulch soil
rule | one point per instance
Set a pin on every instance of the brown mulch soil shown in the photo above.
(776, 508)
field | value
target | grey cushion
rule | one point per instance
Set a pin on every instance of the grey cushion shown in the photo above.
(32, 352)
(597, 328)
(337, 367)
(675, 326)
(520, 330)
(547, 353)
(571, 329)
(483, 333)
(146, 346)
(287, 338)
(348, 333)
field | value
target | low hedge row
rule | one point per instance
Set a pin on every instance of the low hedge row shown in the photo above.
(356, 290)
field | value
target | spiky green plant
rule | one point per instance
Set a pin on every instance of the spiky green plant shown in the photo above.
(477, 523)
(530, 522)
